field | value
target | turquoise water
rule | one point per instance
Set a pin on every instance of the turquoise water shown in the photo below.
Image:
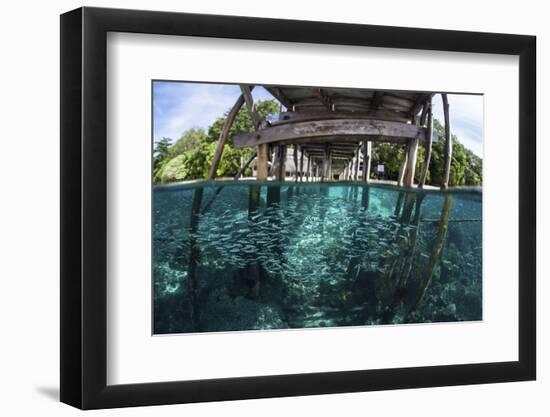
(251, 256)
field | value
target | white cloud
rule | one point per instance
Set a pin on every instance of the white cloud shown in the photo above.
(466, 113)
(182, 106)
(179, 106)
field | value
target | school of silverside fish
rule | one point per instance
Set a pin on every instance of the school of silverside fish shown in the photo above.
(254, 256)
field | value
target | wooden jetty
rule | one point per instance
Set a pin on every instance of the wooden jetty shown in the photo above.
(331, 131)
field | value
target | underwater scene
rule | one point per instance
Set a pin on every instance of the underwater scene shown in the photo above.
(251, 255)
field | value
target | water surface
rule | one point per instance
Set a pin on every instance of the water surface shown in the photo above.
(251, 256)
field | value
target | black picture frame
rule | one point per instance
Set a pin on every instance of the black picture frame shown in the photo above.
(84, 207)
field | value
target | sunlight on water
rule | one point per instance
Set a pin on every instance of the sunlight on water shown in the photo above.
(249, 256)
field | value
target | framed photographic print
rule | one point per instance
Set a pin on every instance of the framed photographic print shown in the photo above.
(257, 208)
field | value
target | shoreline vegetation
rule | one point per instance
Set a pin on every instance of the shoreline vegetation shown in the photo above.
(189, 157)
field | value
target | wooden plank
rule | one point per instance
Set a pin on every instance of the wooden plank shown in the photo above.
(347, 148)
(448, 143)
(390, 99)
(347, 129)
(427, 148)
(223, 136)
(280, 95)
(305, 116)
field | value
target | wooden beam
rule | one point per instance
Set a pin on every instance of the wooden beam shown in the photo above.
(448, 143)
(347, 129)
(427, 148)
(247, 94)
(223, 136)
(408, 178)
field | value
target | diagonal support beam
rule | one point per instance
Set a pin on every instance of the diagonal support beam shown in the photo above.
(247, 94)
(224, 134)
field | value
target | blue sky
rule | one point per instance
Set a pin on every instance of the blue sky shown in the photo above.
(180, 106)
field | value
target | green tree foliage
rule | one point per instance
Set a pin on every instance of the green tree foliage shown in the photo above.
(190, 157)
(161, 153)
(189, 141)
(389, 155)
(466, 167)
(243, 121)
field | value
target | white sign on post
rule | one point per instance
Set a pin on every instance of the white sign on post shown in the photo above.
(380, 168)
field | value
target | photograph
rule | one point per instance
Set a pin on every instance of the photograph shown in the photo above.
(281, 207)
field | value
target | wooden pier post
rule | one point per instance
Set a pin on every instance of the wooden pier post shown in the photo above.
(280, 173)
(262, 171)
(408, 177)
(448, 142)
(427, 147)
(436, 251)
(295, 159)
(192, 284)
(301, 164)
(329, 166)
(262, 167)
(356, 175)
(401, 174)
(367, 154)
